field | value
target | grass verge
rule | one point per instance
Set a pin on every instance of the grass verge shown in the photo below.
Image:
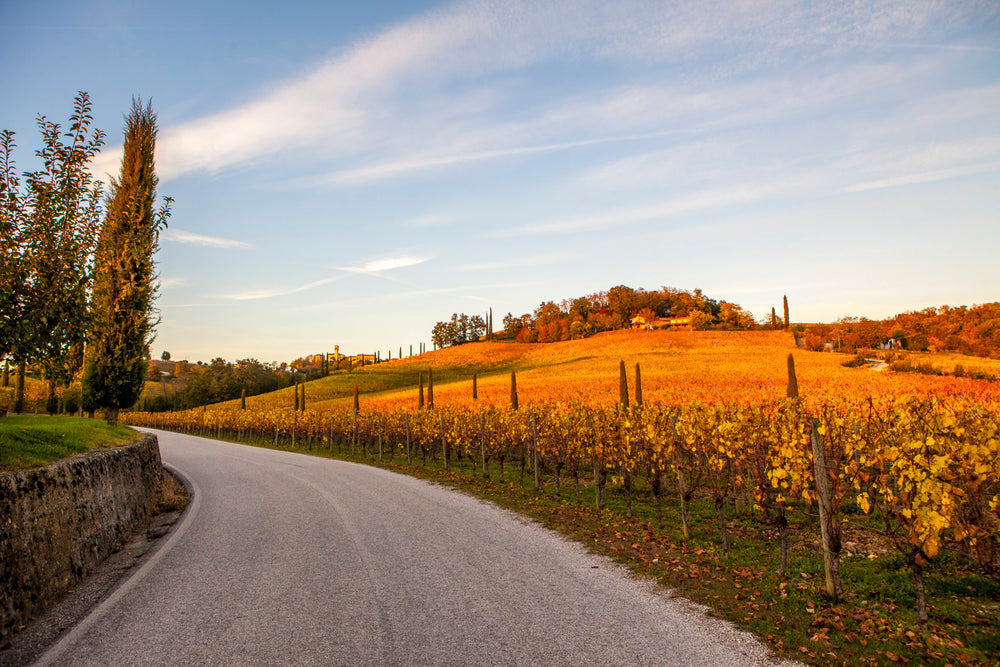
(29, 441)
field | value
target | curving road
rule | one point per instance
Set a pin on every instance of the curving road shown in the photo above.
(289, 559)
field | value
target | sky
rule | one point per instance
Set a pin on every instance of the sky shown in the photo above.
(350, 173)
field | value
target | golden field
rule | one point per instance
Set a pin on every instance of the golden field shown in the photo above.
(676, 367)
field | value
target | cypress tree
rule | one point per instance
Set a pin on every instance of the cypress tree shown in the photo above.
(785, 299)
(774, 319)
(793, 383)
(420, 399)
(622, 384)
(474, 392)
(296, 392)
(123, 316)
(243, 399)
(513, 391)
(302, 401)
(430, 388)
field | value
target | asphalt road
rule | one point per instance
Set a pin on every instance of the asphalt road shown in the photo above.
(288, 559)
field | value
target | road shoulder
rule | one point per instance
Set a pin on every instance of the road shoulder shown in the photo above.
(45, 630)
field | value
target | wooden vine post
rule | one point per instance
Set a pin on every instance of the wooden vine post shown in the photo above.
(638, 385)
(534, 455)
(379, 436)
(831, 556)
(622, 385)
(444, 445)
(482, 444)
(831, 559)
(409, 446)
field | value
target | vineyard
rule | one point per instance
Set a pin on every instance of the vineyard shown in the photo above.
(696, 435)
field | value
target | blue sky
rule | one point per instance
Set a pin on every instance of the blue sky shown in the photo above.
(352, 172)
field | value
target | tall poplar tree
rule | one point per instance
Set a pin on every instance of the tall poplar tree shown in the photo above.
(123, 315)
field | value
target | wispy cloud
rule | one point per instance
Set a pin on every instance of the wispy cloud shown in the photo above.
(175, 281)
(270, 293)
(377, 266)
(915, 178)
(430, 162)
(191, 238)
(432, 75)
(709, 199)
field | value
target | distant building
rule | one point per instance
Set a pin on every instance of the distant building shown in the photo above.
(680, 323)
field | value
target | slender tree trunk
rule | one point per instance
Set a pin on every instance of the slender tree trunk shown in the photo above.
(600, 479)
(686, 514)
(534, 455)
(683, 492)
(831, 551)
(719, 511)
(918, 585)
(409, 443)
(112, 417)
(627, 483)
(482, 445)
(444, 444)
(657, 489)
(523, 461)
(782, 522)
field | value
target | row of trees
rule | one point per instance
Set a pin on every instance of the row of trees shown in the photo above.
(606, 311)
(460, 329)
(615, 309)
(601, 311)
(971, 330)
(218, 381)
(76, 269)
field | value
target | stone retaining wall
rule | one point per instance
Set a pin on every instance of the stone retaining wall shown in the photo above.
(59, 522)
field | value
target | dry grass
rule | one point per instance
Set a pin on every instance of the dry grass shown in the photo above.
(170, 495)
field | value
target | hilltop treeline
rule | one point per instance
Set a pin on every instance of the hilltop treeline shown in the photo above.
(215, 382)
(601, 311)
(971, 330)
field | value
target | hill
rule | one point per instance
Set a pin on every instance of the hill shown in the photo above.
(676, 368)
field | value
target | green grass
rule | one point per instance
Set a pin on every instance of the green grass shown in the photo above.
(29, 441)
